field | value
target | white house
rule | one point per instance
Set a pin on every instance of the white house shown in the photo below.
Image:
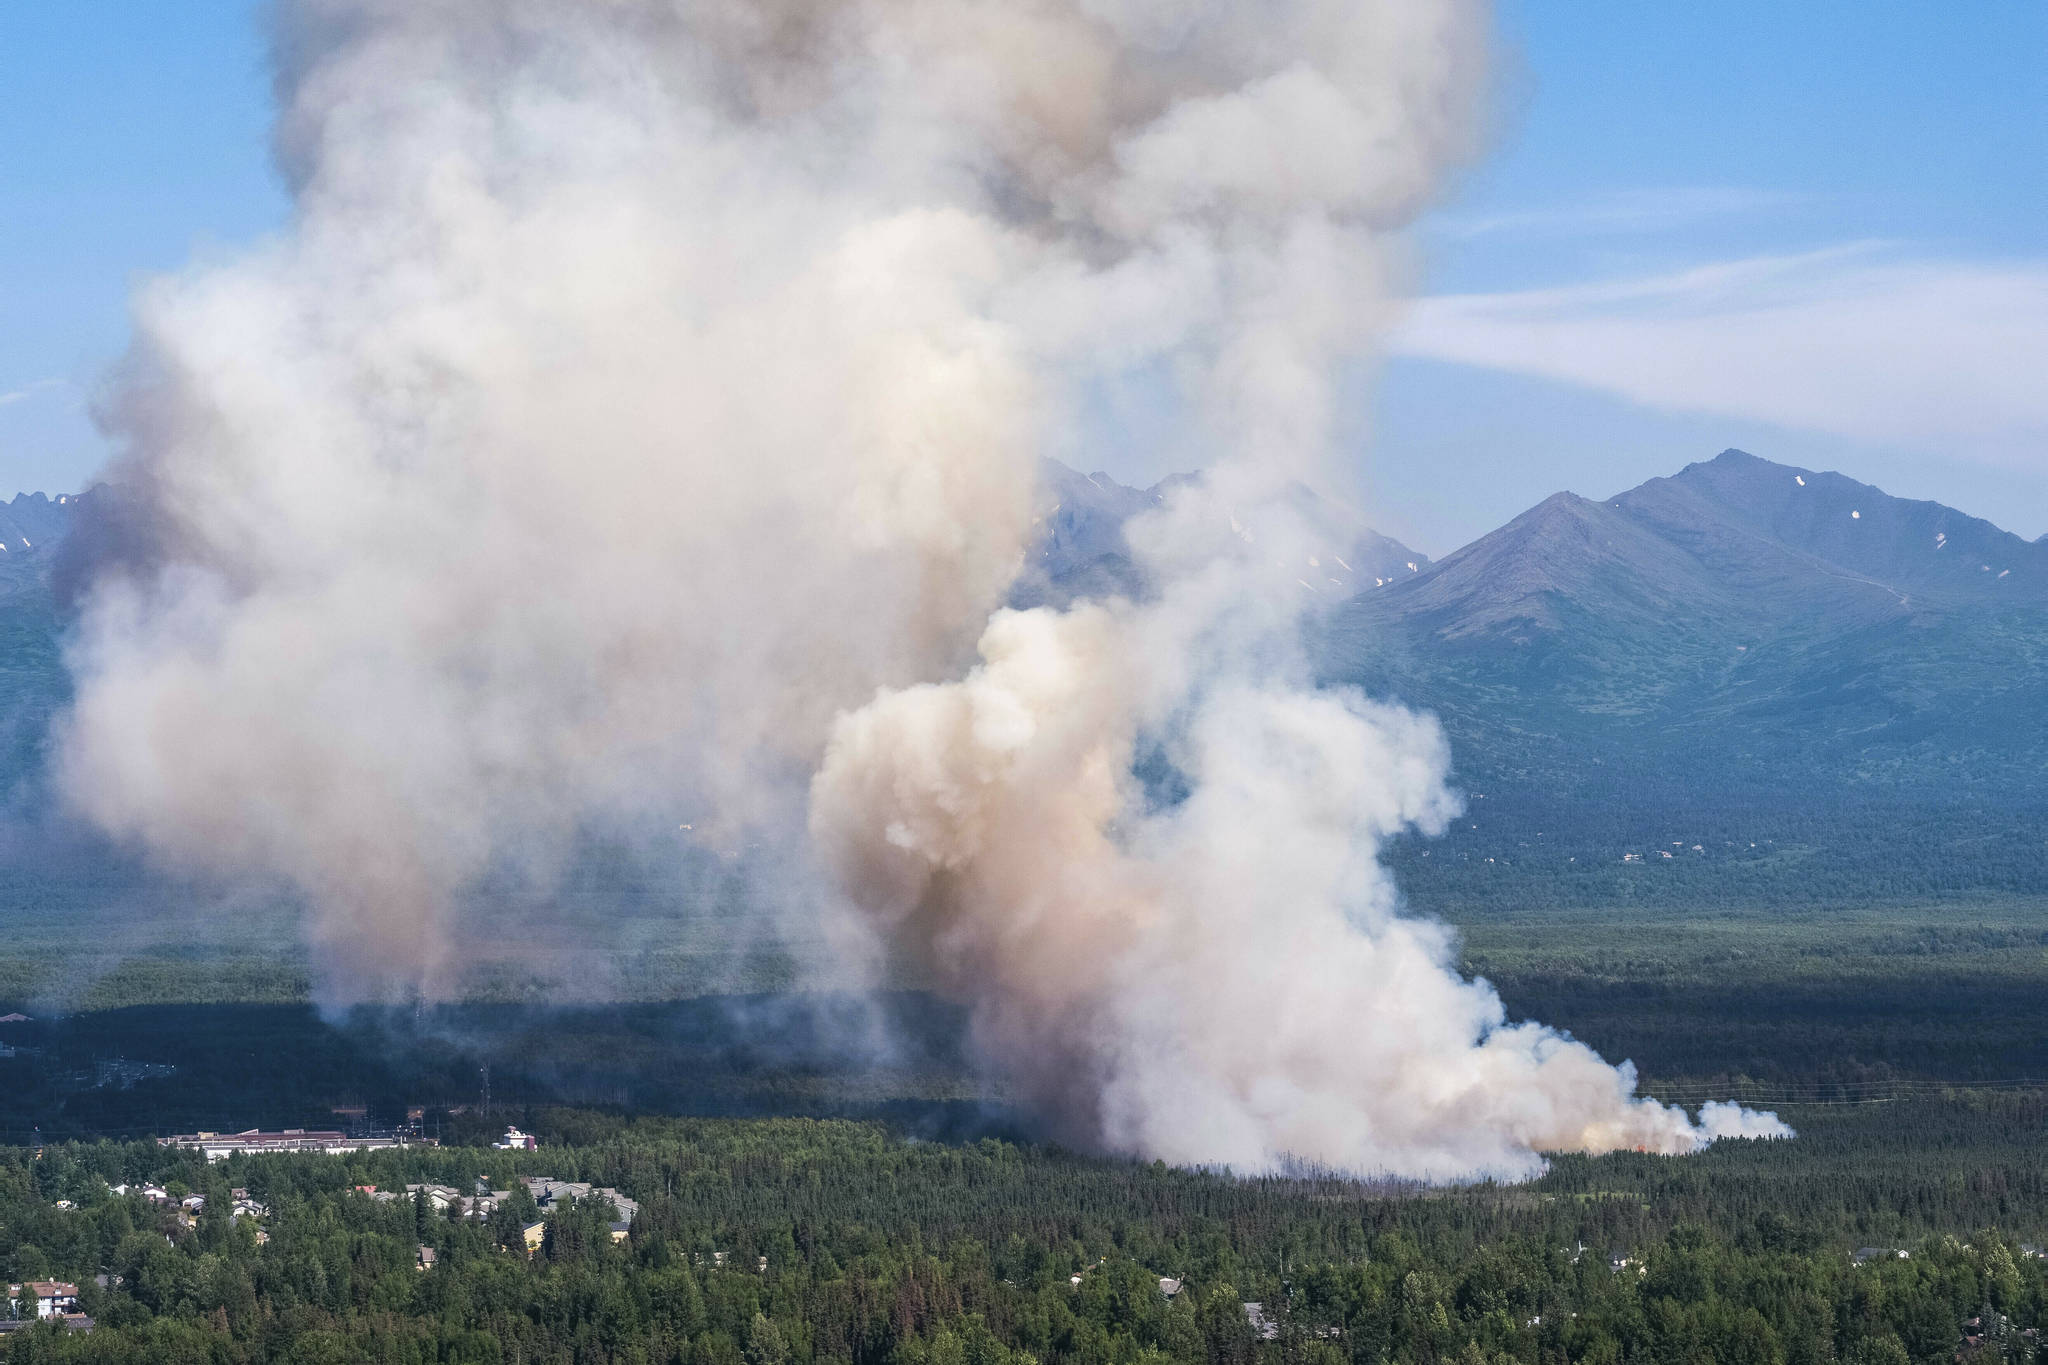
(54, 1298)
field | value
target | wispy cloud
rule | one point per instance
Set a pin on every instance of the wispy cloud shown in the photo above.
(1619, 213)
(27, 391)
(1853, 341)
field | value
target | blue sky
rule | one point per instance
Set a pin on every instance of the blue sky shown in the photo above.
(133, 138)
(1816, 231)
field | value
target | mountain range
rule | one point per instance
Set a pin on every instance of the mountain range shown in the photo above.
(1744, 682)
(1806, 687)
(1770, 618)
(1746, 621)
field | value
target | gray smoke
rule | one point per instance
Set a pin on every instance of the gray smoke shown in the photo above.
(641, 418)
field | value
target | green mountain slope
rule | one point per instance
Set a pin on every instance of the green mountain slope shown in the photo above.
(1722, 659)
(1692, 619)
(32, 679)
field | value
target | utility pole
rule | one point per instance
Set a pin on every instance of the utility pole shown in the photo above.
(486, 1070)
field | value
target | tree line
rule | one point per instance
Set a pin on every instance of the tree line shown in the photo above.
(803, 1242)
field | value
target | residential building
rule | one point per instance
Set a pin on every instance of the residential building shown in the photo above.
(438, 1197)
(54, 1298)
(220, 1146)
(551, 1194)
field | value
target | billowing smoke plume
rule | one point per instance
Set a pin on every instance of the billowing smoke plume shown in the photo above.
(641, 419)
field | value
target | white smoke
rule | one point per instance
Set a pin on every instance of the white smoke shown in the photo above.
(1722, 1119)
(1227, 979)
(642, 416)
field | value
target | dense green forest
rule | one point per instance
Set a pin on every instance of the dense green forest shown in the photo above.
(1644, 842)
(796, 1242)
(1827, 1005)
(1825, 1002)
(276, 1065)
(1898, 1041)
